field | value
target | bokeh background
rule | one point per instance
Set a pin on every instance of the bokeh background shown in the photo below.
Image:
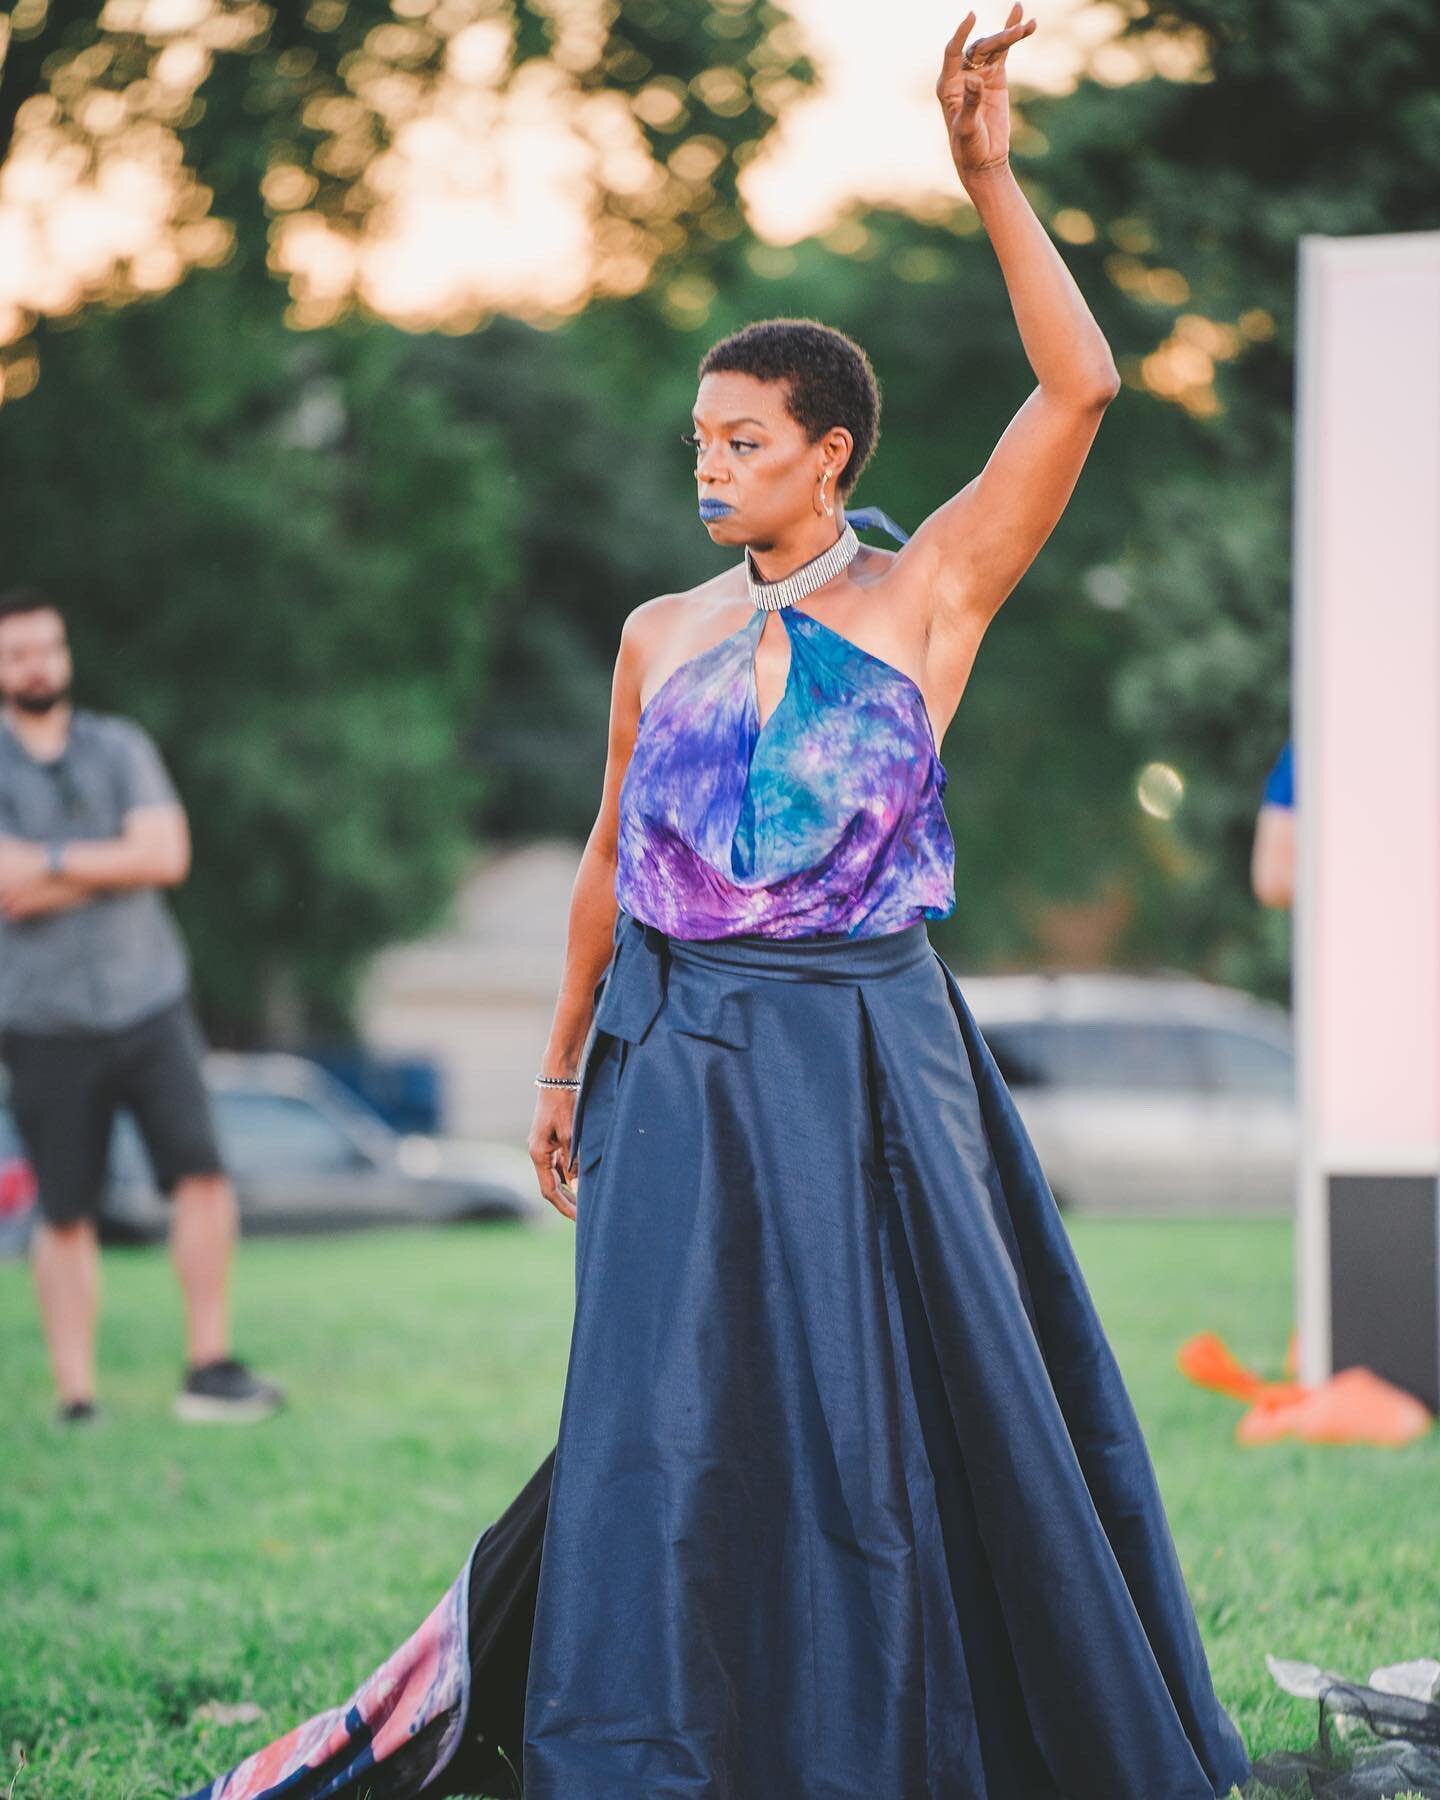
(347, 346)
(345, 352)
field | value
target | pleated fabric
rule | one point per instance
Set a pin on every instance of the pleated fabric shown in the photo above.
(849, 1501)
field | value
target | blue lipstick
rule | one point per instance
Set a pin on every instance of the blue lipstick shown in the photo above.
(715, 509)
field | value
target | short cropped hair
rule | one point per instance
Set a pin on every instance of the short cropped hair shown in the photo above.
(21, 600)
(828, 379)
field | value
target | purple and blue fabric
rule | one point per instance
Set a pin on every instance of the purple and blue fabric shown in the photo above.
(827, 820)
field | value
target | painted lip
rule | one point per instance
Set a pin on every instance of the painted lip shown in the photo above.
(715, 509)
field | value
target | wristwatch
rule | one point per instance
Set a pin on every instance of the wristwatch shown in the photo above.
(55, 858)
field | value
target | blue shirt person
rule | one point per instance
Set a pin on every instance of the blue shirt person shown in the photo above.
(1272, 856)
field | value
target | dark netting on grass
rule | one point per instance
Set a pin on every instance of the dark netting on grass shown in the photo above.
(1375, 1741)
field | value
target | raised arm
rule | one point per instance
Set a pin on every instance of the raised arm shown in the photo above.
(591, 922)
(969, 554)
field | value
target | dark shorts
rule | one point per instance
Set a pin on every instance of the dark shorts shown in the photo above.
(65, 1091)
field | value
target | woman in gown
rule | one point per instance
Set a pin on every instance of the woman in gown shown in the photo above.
(848, 1500)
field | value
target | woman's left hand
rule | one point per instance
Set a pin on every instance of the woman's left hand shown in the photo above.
(973, 96)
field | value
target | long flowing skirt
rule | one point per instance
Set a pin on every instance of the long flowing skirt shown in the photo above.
(849, 1501)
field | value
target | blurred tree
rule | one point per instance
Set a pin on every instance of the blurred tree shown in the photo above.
(312, 561)
(281, 555)
(1154, 629)
(284, 551)
(300, 138)
(1193, 195)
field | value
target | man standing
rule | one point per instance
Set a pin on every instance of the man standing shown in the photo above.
(96, 1014)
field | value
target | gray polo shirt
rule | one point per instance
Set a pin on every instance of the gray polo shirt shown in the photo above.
(118, 958)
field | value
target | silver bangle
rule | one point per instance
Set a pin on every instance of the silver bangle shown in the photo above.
(565, 1081)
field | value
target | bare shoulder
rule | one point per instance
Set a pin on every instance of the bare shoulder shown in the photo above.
(873, 564)
(662, 632)
(906, 598)
(651, 622)
(907, 575)
(936, 646)
(671, 612)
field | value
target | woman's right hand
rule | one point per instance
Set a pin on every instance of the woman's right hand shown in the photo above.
(551, 1130)
(973, 95)
(590, 932)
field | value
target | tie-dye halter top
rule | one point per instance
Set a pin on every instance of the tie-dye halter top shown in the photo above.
(827, 820)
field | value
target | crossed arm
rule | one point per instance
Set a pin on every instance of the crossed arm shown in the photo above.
(153, 850)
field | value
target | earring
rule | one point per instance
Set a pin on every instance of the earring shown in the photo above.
(823, 501)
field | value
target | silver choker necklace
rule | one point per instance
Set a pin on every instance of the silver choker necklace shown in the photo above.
(770, 596)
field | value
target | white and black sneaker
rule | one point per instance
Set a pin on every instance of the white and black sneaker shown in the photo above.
(226, 1392)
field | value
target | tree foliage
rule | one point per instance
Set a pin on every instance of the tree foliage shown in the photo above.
(281, 131)
(280, 555)
(285, 551)
(1306, 121)
(366, 585)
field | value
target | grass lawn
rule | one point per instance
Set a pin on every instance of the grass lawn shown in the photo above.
(147, 1568)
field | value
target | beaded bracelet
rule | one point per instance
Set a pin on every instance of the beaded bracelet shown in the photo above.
(562, 1081)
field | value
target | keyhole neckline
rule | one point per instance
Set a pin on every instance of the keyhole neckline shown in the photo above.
(755, 624)
(763, 725)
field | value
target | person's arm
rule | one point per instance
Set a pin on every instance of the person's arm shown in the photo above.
(969, 554)
(23, 895)
(591, 927)
(1272, 856)
(153, 850)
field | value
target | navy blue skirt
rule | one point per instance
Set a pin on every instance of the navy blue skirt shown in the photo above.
(849, 1501)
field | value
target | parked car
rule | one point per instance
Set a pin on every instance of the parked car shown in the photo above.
(305, 1154)
(1147, 1094)
(1143, 1094)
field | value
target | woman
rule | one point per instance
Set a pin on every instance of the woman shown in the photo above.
(848, 1499)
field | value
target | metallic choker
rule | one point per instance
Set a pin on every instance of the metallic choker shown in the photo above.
(770, 596)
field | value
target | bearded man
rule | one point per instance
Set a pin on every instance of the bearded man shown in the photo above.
(96, 1016)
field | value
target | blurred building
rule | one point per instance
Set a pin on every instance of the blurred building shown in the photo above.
(476, 998)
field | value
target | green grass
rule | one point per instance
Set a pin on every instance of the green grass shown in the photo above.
(146, 1568)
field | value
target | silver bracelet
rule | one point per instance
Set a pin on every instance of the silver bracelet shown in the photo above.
(565, 1081)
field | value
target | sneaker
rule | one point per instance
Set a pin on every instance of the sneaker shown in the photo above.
(76, 1412)
(226, 1390)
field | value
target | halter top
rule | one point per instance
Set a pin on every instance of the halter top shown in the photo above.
(827, 820)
